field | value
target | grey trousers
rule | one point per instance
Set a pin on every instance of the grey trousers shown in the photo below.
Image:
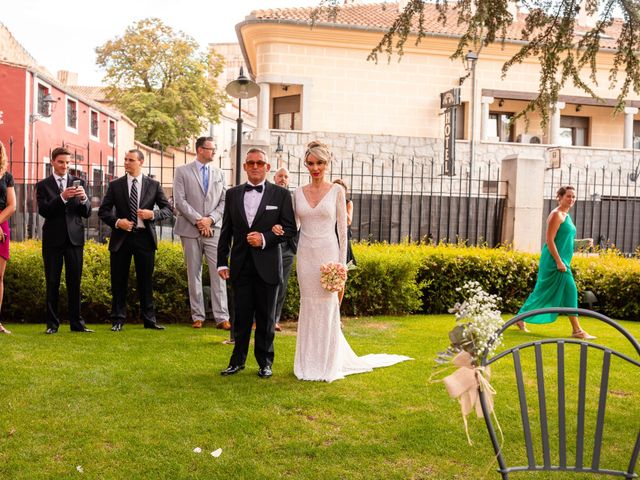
(194, 250)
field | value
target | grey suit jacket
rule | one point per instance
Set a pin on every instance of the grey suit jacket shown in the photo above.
(192, 202)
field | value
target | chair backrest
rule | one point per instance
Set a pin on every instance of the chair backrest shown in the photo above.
(544, 404)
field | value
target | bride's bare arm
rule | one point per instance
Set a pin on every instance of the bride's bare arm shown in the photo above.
(341, 220)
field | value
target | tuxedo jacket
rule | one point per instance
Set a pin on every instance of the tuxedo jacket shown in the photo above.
(61, 220)
(275, 207)
(115, 205)
(192, 202)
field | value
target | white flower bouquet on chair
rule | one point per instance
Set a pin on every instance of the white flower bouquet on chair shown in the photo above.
(477, 321)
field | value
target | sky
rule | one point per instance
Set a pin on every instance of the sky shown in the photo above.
(63, 34)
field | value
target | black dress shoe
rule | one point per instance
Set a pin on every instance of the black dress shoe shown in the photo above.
(154, 326)
(82, 330)
(116, 327)
(265, 372)
(51, 331)
(232, 369)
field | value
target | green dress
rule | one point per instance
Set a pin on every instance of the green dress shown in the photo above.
(553, 287)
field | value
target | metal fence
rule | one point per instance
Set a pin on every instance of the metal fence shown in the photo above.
(393, 201)
(398, 201)
(607, 207)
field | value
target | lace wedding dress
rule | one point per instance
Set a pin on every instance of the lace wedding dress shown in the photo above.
(322, 351)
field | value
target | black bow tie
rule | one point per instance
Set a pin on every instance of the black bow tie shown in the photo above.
(248, 187)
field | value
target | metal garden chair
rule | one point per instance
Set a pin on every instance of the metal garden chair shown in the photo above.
(583, 350)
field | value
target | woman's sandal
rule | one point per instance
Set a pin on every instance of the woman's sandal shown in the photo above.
(582, 335)
(522, 327)
(4, 330)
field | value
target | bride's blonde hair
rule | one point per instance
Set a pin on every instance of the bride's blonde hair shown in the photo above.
(318, 150)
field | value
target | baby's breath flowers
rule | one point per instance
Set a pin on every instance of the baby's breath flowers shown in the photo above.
(477, 320)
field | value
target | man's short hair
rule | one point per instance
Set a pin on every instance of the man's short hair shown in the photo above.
(138, 152)
(258, 150)
(59, 151)
(200, 141)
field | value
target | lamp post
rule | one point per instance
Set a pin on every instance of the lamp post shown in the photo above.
(471, 58)
(241, 88)
(49, 103)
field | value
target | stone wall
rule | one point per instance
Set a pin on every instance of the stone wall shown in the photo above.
(383, 151)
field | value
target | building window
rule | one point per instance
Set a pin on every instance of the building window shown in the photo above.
(286, 113)
(112, 132)
(574, 131)
(111, 168)
(72, 114)
(500, 127)
(94, 125)
(97, 177)
(460, 110)
(43, 107)
(636, 134)
(77, 172)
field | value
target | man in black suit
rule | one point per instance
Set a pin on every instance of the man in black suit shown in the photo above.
(63, 203)
(288, 251)
(128, 208)
(255, 264)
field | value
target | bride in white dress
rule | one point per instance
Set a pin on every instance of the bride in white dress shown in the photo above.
(322, 351)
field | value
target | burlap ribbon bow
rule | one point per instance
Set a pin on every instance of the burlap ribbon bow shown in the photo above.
(463, 384)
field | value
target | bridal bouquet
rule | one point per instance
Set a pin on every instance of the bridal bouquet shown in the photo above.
(333, 275)
(477, 320)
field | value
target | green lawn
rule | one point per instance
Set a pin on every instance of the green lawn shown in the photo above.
(135, 404)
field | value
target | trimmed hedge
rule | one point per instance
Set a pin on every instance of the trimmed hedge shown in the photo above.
(390, 279)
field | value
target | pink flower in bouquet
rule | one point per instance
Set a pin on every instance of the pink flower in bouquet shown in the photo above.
(333, 276)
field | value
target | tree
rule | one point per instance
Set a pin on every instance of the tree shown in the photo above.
(549, 34)
(158, 78)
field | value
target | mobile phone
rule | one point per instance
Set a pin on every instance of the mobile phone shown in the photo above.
(76, 183)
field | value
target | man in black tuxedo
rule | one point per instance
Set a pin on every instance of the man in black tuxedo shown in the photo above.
(255, 264)
(63, 203)
(128, 208)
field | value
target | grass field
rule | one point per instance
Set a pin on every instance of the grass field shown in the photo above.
(134, 405)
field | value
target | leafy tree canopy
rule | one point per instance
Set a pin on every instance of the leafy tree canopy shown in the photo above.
(549, 34)
(160, 80)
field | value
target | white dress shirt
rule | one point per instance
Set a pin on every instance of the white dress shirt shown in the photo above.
(252, 200)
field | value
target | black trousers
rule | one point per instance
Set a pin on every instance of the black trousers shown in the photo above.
(287, 263)
(54, 257)
(253, 299)
(139, 245)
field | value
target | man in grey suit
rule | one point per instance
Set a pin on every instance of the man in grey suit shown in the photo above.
(199, 192)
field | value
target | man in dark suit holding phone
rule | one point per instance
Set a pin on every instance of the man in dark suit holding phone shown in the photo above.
(128, 208)
(63, 203)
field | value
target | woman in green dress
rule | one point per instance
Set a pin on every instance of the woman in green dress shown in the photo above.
(555, 286)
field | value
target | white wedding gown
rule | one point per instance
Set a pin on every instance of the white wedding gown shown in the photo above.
(322, 352)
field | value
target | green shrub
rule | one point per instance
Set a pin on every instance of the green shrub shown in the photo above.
(390, 279)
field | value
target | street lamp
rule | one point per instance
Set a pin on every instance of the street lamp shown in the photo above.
(241, 88)
(471, 59)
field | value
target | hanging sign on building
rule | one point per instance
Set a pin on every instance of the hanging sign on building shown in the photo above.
(450, 100)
